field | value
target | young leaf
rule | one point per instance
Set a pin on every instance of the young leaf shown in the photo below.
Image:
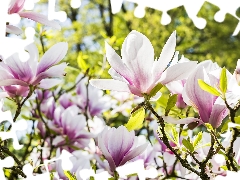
(209, 127)
(81, 62)
(136, 119)
(171, 102)
(197, 139)
(225, 126)
(69, 175)
(223, 80)
(224, 167)
(188, 145)
(208, 88)
(175, 135)
(154, 91)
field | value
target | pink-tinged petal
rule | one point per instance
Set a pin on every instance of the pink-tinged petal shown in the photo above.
(3, 73)
(16, 90)
(3, 95)
(165, 56)
(175, 87)
(110, 84)
(219, 112)
(55, 71)
(55, 54)
(57, 140)
(133, 153)
(187, 120)
(20, 70)
(13, 30)
(199, 98)
(34, 56)
(138, 55)
(15, 6)
(9, 82)
(49, 83)
(42, 19)
(135, 91)
(120, 143)
(169, 159)
(115, 75)
(178, 72)
(105, 152)
(116, 63)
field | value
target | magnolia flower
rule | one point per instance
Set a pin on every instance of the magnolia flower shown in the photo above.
(71, 127)
(137, 72)
(211, 109)
(119, 146)
(15, 73)
(90, 97)
(16, 6)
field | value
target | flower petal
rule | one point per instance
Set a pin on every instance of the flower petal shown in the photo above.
(40, 18)
(49, 83)
(20, 70)
(133, 153)
(120, 143)
(116, 63)
(55, 71)
(34, 56)
(199, 98)
(219, 112)
(9, 82)
(178, 72)
(13, 29)
(138, 55)
(103, 148)
(55, 54)
(175, 87)
(187, 120)
(165, 56)
(110, 84)
(15, 6)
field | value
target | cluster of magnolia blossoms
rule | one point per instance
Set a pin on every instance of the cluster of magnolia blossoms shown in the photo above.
(81, 119)
(138, 73)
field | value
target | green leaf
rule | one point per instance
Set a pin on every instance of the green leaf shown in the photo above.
(223, 81)
(208, 88)
(175, 135)
(69, 175)
(209, 127)
(171, 102)
(204, 145)
(224, 167)
(136, 120)
(154, 91)
(237, 119)
(225, 126)
(81, 62)
(197, 139)
(188, 145)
